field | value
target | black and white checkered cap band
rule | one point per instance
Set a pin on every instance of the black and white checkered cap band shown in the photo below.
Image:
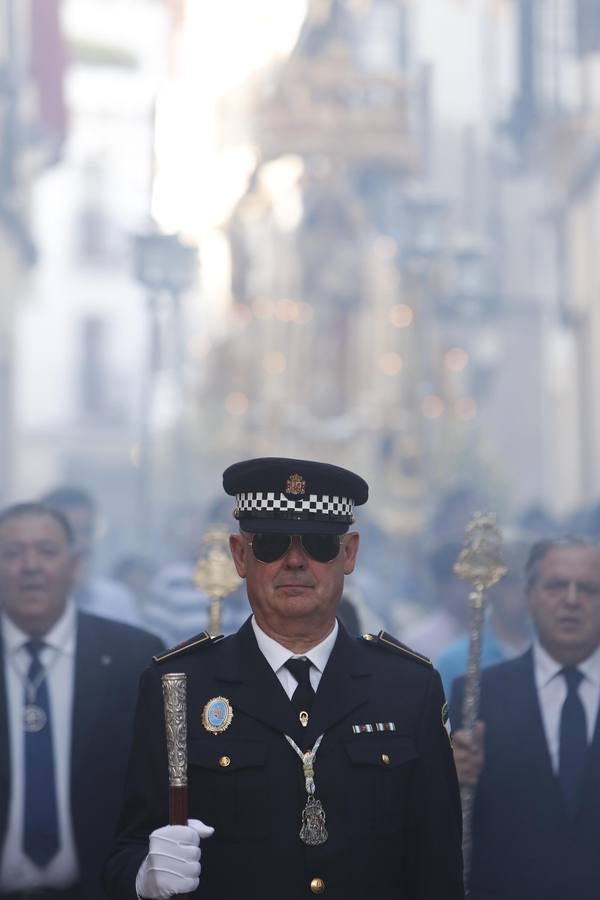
(322, 505)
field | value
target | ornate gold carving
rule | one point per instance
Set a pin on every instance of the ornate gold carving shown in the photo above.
(480, 560)
(326, 105)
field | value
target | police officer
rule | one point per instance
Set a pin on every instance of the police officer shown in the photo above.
(317, 763)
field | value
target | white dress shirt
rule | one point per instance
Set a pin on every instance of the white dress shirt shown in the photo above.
(552, 692)
(277, 655)
(17, 871)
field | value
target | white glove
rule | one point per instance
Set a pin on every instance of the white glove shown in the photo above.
(172, 865)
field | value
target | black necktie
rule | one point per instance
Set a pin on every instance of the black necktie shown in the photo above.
(304, 695)
(573, 738)
(40, 815)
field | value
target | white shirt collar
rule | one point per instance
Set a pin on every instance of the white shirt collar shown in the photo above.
(276, 654)
(61, 636)
(591, 666)
(546, 667)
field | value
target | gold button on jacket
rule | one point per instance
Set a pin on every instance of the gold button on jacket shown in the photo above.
(317, 886)
(224, 761)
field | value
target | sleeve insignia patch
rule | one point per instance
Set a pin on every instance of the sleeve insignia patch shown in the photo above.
(446, 718)
(446, 721)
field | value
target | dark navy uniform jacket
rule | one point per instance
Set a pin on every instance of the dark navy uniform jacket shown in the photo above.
(525, 846)
(390, 797)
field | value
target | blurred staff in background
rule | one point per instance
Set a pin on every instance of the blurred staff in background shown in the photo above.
(101, 596)
(177, 607)
(68, 683)
(507, 626)
(535, 753)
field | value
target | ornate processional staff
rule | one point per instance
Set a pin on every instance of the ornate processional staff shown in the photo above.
(215, 572)
(174, 697)
(480, 562)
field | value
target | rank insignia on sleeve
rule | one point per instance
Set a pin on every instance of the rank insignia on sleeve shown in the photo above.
(217, 715)
(446, 720)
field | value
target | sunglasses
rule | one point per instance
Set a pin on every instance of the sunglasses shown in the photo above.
(268, 548)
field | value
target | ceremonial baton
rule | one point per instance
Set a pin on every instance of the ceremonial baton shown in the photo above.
(215, 573)
(480, 562)
(174, 697)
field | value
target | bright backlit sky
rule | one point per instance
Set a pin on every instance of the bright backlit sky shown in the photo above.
(223, 44)
(466, 41)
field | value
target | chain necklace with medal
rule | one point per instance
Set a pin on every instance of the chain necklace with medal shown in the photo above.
(34, 717)
(313, 831)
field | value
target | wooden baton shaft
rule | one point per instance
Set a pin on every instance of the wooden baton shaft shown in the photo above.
(178, 811)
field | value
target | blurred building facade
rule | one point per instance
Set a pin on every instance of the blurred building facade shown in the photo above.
(32, 123)
(555, 130)
(387, 284)
(80, 334)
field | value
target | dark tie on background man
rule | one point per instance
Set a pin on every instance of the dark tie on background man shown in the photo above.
(40, 816)
(303, 697)
(572, 738)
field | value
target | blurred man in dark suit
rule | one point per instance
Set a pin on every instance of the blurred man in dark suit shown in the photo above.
(68, 682)
(535, 754)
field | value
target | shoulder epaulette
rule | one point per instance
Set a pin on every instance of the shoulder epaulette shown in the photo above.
(199, 640)
(385, 640)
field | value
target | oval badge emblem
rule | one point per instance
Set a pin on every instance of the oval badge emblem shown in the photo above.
(295, 485)
(217, 715)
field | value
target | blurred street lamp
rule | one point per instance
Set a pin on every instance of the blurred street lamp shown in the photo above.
(163, 263)
(469, 297)
(166, 267)
(424, 221)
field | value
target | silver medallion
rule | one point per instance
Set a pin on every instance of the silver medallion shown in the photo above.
(34, 718)
(313, 831)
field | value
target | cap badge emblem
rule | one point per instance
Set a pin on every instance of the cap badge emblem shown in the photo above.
(217, 715)
(295, 486)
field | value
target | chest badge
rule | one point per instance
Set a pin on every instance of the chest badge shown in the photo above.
(217, 715)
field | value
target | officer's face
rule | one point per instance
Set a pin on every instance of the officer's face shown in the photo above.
(565, 603)
(38, 567)
(294, 594)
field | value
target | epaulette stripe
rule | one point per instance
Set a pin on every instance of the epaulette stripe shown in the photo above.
(404, 648)
(160, 657)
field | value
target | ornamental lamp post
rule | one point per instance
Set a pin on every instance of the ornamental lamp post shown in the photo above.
(166, 267)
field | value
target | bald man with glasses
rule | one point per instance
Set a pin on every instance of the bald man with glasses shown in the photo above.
(317, 763)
